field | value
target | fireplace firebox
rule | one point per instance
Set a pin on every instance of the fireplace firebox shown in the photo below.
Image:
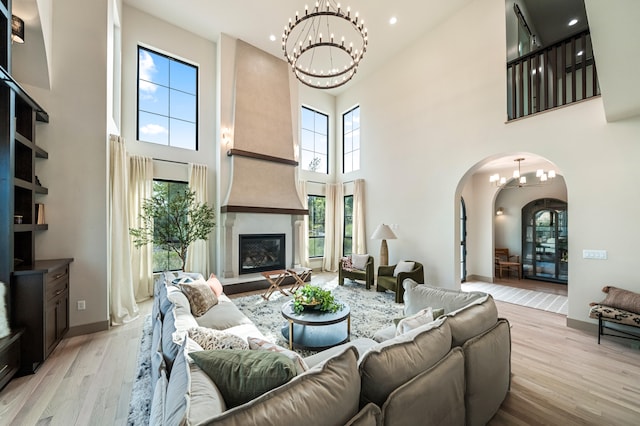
(261, 252)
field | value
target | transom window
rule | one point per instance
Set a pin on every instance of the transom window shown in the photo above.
(316, 225)
(315, 141)
(167, 100)
(351, 140)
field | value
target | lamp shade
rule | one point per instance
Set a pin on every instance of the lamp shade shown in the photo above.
(383, 232)
(17, 29)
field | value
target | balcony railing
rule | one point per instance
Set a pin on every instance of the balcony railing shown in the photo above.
(556, 75)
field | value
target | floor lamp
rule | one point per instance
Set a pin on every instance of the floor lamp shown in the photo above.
(384, 233)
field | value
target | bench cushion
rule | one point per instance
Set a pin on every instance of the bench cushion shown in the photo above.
(620, 316)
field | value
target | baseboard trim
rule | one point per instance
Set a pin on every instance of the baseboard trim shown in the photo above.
(479, 278)
(582, 325)
(88, 328)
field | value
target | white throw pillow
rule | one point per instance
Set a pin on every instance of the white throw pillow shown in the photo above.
(264, 345)
(403, 266)
(409, 323)
(359, 261)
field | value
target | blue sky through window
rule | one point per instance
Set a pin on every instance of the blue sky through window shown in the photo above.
(167, 100)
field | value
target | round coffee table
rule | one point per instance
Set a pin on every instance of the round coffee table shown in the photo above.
(314, 329)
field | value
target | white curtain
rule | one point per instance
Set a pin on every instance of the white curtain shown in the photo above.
(140, 189)
(198, 252)
(303, 233)
(333, 216)
(122, 303)
(359, 237)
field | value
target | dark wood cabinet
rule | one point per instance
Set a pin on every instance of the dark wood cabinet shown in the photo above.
(40, 297)
(545, 240)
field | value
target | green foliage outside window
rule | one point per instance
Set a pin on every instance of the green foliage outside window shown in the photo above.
(172, 220)
(347, 242)
(316, 225)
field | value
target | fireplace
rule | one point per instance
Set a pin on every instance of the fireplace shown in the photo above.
(261, 252)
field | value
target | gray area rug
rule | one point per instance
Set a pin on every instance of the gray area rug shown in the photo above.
(518, 296)
(140, 403)
(370, 310)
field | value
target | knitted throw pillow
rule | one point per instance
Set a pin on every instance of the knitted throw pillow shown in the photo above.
(210, 339)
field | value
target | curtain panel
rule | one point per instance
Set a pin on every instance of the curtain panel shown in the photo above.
(333, 215)
(359, 237)
(140, 189)
(198, 252)
(122, 303)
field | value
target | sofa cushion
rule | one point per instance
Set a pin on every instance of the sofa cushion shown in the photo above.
(158, 400)
(191, 395)
(389, 364)
(403, 266)
(201, 297)
(359, 261)
(170, 349)
(487, 360)
(411, 322)
(244, 375)
(419, 296)
(325, 394)
(210, 339)
(222, 316)
(435, 396)
(257, 343)
(472, 320)
(362, 345)
(369, 415)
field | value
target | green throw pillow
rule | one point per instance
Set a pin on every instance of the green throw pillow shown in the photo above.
(242, 375)
(437, 313)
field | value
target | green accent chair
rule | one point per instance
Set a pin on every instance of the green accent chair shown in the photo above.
(366, 274)
(386, 280)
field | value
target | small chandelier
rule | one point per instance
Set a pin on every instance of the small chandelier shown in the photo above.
(324, 45)
(519, 180)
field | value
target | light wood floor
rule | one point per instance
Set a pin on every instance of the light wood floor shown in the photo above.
(560, 376)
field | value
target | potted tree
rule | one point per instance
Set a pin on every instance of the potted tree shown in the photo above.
(173, 223)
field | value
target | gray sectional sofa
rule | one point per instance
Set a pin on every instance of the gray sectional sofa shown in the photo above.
(455, 370)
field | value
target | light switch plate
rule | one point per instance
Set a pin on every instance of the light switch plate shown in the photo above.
(594, 254)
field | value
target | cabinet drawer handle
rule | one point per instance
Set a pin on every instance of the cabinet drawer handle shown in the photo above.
(58, 276)
(58, 292)
(4, 368)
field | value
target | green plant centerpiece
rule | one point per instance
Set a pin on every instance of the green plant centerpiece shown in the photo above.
(173, 222)
(312, 296)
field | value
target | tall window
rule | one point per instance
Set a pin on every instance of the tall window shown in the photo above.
(167, 100)
(316, 225)
(351, 140)
(347, 242)
(315, 141)
(165, 260)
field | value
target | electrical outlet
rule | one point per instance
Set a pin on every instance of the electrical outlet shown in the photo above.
(82, 305)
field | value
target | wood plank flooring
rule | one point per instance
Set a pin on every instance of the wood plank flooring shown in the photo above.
(560, 376)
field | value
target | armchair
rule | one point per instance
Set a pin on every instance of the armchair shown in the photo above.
(386, 280)
(353, 273)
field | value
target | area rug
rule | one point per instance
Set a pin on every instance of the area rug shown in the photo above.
(370, 310)
(518, 296)
(140, 402)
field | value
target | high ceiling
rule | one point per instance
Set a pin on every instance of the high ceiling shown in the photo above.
(255, 20)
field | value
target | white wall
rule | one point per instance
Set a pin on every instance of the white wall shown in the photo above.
(140, 28)
(76, 140)
(429, 120)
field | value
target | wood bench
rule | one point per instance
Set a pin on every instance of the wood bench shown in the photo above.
(611, 310)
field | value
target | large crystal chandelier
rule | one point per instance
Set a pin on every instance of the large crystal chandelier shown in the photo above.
(519, 179)
(324, 45)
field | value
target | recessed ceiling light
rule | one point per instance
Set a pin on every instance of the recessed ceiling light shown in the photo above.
(393, 20)
(573, 22)
(272, 37)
